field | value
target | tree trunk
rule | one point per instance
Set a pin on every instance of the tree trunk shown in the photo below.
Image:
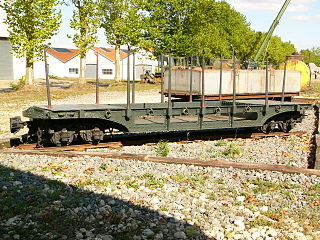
(82, 76)
(117, 76)
(29, 72)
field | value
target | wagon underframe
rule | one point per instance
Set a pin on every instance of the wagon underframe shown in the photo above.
(61, 124)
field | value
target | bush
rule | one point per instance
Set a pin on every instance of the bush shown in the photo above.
(232, 150)
(162, 149)
(53, 77)
(18, 85)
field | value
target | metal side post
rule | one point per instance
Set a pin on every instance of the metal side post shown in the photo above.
(220, 82)
(97, 79)
(191, 78)
(47, 78)
(162, 83)
(169, 110)
(133, 77)
(234, 106)
(284, 82)
(128, 112)
(203, 103)
(267, 84)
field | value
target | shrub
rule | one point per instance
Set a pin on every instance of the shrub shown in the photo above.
(18, 85)
(162, 149)
(232, 150)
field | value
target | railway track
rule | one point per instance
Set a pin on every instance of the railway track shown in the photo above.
(80, 151)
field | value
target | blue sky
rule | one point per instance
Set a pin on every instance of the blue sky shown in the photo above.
(300, 23)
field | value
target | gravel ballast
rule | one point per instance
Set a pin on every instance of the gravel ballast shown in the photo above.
(90, 198)
(43, 197)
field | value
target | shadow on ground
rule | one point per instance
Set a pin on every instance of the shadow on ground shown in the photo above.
(34, 207)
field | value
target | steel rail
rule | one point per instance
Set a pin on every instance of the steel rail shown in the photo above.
(167, 160)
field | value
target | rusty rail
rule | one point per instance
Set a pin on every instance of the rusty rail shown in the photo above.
(166, 160)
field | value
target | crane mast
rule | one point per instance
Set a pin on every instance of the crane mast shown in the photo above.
(271, 30)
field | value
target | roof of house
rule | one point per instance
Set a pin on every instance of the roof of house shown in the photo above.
(110, 53)
(63, 54)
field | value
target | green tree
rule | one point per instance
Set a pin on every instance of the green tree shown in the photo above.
(279, 50)
(122, 22)
(218, 28)
(86, 21)
(166, 25)
(311, 55)
(31, 23)
(189, 27)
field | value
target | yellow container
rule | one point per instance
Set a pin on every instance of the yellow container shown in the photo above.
(297, 65)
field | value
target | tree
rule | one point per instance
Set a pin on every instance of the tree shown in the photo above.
(86, 20)
(189, 27)
(311, 55)
(31, 23)
(279, 50)
(122, 22)
(217, 28)
(166, 25)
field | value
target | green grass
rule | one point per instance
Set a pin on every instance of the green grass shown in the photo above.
(314, 91)
(179, 178)
(103, 167)
(162, 149)
(221, 143)
(197, 179)
(232, 150)
(151, 181)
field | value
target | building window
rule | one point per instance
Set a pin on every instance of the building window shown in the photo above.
(107, 71)
(73, 70)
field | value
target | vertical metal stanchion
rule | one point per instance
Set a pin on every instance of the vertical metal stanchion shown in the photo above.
(203, 104)
(191, 78)
(267, 83)
(169, 113)
(47, 78)
(234, 87)
(284, 81)
(203, 84)
(128, 80)
(97, 79)
(310, 76)
(220, 83)
(133, 77)
(162, 83)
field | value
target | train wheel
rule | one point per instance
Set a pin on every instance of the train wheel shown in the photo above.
(286, 126)
(271, 126)
(266, 128)
(93, 136)
(61, 138)
(40, 140)
(86, 136)
(97, 135)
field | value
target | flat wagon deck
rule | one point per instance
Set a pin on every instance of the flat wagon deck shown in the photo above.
(62, 123)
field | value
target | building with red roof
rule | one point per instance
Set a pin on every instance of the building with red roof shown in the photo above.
(65, 63)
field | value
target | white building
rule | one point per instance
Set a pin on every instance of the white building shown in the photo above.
(11, 67)
(315, 70)
(65, 63)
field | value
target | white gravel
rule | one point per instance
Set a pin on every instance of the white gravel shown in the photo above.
(292, 150)
(118, 199)
(44, 197)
